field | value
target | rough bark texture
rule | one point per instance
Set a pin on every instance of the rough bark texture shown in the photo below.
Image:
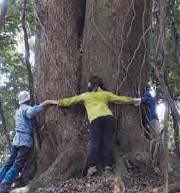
(176, 134)
(165, 151)
(113, 47)
(3, 11)
(173, 188)
(58, 56)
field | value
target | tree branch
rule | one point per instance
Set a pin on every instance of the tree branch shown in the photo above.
(4, 125)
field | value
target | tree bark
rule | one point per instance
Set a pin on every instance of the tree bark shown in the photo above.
(27, 50)
(173, 188)
(57, 59)
(114, 47)
(112, 43)
(176, 134)
(165, 151)
(3, 11)
(4, 125)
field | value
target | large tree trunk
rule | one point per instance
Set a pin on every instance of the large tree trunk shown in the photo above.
(113, 46)
(58, 55)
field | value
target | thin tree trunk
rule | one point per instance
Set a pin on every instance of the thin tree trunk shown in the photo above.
(30, 169)
(176, 134)
(27, 50)
(166, 152)
(4, 125)
(36, 130)
(3, 11)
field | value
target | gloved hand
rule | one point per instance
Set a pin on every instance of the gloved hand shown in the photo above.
(137, 101)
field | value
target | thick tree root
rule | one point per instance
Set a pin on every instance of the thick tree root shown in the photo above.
(118, 185)
(68, 164)
(25, 189)
(173, 188)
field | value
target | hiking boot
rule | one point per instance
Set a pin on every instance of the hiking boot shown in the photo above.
(91, 171)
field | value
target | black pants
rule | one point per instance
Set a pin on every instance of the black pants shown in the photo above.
(102, 140)
(18, 157)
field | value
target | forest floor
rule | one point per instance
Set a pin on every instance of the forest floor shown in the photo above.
(140, 183)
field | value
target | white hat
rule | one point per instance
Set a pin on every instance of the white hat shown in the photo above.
(23, 96)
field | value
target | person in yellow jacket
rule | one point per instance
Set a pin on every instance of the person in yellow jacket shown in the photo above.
(101, 120)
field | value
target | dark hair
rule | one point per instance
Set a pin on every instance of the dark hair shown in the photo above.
(96, 82)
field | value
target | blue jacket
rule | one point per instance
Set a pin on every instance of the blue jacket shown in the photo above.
(151, 103)
(24, 132)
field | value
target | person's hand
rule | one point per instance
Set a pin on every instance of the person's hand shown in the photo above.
(54, 102)
(50, 102)
(137, 101)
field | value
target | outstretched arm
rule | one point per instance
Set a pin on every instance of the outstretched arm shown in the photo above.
(32, 111)
(66, 102)
(122, 99)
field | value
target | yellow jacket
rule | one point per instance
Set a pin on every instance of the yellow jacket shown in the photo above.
(96, 103)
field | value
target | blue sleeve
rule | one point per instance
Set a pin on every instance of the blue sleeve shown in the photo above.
(32, 111)
(147, 98)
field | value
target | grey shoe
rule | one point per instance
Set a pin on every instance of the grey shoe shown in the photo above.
(91, 171)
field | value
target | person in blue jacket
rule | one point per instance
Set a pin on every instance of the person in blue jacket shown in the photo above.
(155, 129)
(22, 141)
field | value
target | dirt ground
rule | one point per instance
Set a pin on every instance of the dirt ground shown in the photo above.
(104, 184)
